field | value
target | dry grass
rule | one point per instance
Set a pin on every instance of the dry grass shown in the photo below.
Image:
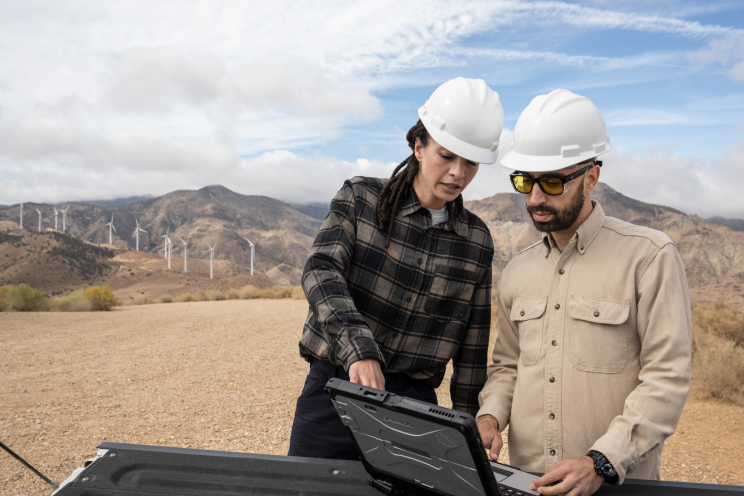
(718, 351)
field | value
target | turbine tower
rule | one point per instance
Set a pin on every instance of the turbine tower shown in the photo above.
(39, 219)
(56, 218)
(165, 243)
(185, 247)
(21, 215)
(137, 230)
(170, 252)
(211, 259)
(64, 218)
(253, 253)
(110, 226)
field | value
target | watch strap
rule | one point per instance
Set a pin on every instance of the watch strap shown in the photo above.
(603, 467)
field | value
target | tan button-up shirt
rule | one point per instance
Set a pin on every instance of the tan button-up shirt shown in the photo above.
(593, 349)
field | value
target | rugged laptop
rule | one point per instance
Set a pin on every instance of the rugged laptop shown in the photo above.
(412, 447)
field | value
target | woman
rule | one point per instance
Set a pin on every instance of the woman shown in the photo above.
(399, 277)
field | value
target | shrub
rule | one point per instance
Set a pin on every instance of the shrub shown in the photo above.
(720, 365)
(101, 298)
(214, 295)
(24, 298)
(248, 292)
(4, 299)
(720, 320)
(185, 297)
(165, 299)
(232, 294)
(275, 292)
(74, 302)
(718, 350)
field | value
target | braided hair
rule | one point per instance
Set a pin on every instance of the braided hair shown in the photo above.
(401, 182)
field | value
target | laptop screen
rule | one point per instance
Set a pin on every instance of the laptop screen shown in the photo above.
(418, 446)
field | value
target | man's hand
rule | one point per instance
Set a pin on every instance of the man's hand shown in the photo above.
(367, 372)
(577, 475)
(488, 427)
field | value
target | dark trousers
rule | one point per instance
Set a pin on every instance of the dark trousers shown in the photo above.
(318, 432)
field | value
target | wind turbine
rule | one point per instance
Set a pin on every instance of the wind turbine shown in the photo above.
(211, 259)
(253, 252)
(185, 247)
(165, 243)
(170, 252)
(56, 218)
(110, 226)
(21, 215)
(64, 218)
(39, 219)
(137, 230)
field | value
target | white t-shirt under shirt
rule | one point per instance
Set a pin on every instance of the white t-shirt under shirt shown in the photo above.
(439, 216)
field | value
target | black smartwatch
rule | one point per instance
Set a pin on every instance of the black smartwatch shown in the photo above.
(603, 467)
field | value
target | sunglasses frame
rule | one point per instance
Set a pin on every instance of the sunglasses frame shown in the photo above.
(562, 179)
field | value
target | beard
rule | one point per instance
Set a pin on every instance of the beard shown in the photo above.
(562, 219)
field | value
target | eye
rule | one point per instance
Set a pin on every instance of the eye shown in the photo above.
(445, 156)
(474, 164)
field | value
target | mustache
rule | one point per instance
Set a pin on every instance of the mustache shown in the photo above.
(542, 208)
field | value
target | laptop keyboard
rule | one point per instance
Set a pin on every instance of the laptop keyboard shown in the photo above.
(508, 491)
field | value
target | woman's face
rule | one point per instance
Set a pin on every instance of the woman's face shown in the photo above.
(442, 175)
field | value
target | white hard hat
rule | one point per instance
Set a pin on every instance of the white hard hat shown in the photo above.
(557, 130)
(466, 117)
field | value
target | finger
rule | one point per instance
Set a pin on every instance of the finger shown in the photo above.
(549, 477)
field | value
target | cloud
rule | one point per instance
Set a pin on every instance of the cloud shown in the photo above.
(728, 52)
(705, 186)
(160, 79)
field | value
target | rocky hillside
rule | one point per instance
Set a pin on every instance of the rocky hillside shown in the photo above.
(713, 254)
(282, 234)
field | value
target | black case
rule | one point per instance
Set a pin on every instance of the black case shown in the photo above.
(445, 417)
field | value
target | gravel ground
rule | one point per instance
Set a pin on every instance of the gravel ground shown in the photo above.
(212, 375)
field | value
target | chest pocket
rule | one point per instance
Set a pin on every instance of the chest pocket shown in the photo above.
(599, 334)
(450, 293)
(528, 313)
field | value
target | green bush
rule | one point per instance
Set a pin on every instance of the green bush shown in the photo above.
(24, 298)
(4, 299)
(165, 299)
(101, 298)
(74, 302)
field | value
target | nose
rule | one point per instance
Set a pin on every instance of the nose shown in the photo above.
(536, 196)
(457, 170)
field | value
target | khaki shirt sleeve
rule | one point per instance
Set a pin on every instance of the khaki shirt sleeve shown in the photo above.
(664, 327)
(496, 397)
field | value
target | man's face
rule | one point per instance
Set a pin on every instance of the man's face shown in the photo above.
(556, 213)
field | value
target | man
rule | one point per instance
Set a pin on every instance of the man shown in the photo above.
(591, 367)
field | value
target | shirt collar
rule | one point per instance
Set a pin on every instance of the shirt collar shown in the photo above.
(584, 236)
(412, 205)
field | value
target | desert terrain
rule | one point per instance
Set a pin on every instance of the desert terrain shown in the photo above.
(211, 375)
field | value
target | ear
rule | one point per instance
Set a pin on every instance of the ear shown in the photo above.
(592, 178)
(418, 150)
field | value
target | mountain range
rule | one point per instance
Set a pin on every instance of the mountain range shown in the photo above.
(283, 233)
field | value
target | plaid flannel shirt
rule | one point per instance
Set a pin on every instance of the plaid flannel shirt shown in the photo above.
(413, 307)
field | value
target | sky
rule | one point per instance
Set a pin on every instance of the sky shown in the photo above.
(104, 100)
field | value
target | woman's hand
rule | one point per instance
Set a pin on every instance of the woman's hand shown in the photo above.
(367, 372)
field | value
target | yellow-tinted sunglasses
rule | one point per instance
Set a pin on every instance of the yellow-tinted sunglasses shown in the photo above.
(551, 185)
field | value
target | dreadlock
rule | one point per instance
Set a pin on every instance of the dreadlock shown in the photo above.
(401, 182)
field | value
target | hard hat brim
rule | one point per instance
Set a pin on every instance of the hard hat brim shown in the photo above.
(535, 163)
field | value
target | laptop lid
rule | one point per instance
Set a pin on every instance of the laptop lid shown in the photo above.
(414, 446)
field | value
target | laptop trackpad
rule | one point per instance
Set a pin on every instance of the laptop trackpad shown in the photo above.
(500, 473)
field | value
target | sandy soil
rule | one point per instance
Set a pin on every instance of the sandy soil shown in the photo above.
(213, 375)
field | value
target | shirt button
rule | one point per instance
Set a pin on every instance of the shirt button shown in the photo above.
(596, 313)
(582, 248)
(521, 314)
(419, 261)
(552, 452)
(551, 379)
(408, 299)
(557, 306)
(554, 342)
(561, 272)
(551, 416)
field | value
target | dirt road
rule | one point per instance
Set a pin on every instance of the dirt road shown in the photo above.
(215, 375)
